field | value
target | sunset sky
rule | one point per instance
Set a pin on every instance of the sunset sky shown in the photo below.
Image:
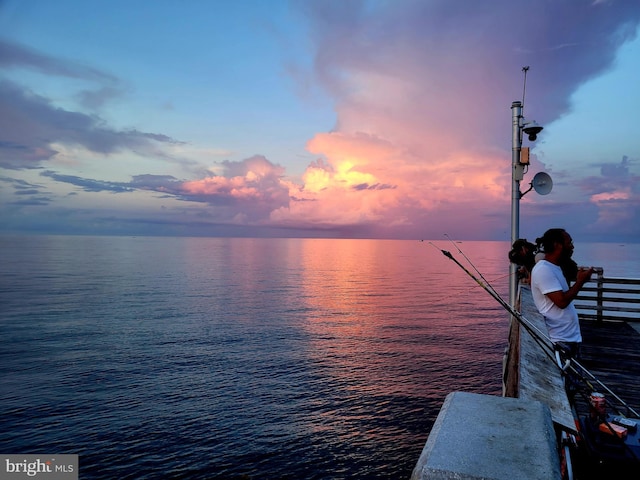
(314, 118)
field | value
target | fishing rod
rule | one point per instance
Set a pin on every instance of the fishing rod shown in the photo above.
(538, 336)
(531, 328)
(607, 389)
(543, 340)
(470, 262)
(494, 293)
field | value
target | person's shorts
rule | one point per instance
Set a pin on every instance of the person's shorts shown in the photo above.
(568, 349)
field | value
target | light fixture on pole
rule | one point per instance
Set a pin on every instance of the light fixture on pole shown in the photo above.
(541, 183)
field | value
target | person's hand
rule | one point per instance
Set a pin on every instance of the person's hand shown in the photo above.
(584, 275)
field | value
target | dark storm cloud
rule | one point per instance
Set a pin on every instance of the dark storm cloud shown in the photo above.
(616, 170)
(13, 55)
(31, 202)
(613, 176)
(89, 185)
(31, 123)
(160, 183)
(25, 191)
(470, 53)
(18, 183)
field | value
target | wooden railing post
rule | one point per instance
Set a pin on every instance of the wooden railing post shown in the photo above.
(622, 296)
(599, 294)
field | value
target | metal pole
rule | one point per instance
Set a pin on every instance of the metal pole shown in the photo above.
(517, 173)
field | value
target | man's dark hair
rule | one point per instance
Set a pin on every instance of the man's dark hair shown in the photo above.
(550, 238)
(547, 242)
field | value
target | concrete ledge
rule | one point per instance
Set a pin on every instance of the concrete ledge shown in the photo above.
(489, 437)
(539, 376)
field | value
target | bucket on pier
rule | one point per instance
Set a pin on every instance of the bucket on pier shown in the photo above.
(598, 405)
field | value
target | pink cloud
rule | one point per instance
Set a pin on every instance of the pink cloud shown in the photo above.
(245, 193)
(423, 93)
(610, 196)
(252, 179)
(369, 182)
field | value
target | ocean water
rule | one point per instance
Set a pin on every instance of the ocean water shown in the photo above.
(218, 358)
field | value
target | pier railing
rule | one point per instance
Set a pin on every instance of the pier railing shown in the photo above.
(609, 299)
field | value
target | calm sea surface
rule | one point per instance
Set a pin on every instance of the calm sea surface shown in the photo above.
(212, 358)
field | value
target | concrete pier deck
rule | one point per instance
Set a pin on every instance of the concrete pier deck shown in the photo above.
(479, 436)
(483, 436)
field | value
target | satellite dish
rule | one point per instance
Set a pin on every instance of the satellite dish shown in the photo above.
(542, 183)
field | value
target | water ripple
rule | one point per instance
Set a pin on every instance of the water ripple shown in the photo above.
(228, 358)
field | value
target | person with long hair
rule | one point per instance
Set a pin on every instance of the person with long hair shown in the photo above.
(522, 253)
(551, 292)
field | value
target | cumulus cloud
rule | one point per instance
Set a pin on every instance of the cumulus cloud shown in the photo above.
(423, 82)
(422, 91)
(246, 192)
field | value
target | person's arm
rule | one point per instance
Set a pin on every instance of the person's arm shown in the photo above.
(563, 299)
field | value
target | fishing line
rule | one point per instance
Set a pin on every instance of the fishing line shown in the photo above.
(505, 276)
(508, 275)
(532, 329)
(608, 390)
(470, 262)
(582, 373)
(605, 421)
(543, 340)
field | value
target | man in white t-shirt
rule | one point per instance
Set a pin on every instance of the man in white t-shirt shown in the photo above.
(551, 292)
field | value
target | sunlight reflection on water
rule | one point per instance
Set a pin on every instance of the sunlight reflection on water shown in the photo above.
(215, 358)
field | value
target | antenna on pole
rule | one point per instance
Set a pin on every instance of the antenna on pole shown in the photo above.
(524, 88)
